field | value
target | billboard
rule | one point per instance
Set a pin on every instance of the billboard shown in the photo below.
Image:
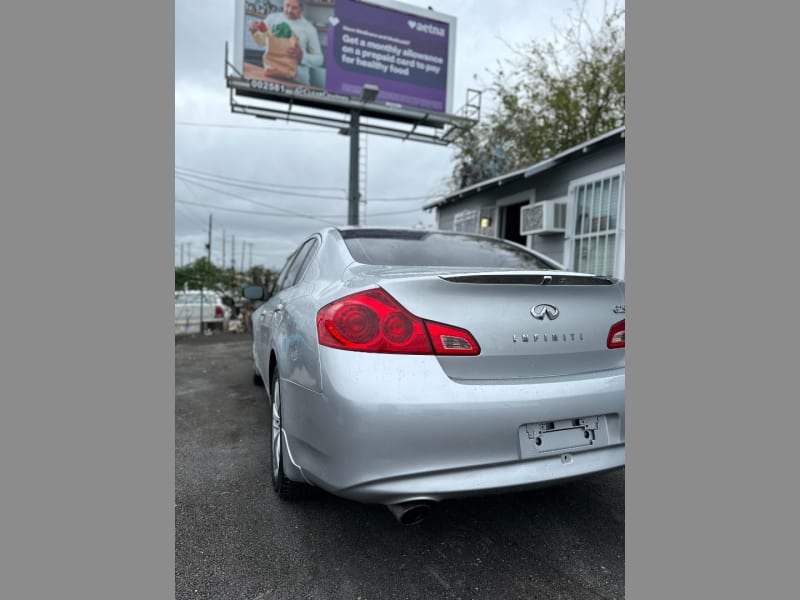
(326, 51)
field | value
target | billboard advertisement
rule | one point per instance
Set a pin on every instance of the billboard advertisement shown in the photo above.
(330, 49)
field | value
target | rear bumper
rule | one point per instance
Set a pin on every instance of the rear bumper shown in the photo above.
(513, 476)
(389, 428)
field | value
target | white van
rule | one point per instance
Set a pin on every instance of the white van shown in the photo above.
(191, 304)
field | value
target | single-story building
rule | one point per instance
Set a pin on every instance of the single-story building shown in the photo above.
(570, 207)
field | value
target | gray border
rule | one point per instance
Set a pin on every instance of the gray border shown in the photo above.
(710, 147)
(87, 430)
(87, 447)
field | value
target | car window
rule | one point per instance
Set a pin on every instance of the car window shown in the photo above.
(306, 260)
(426, 248)
(283, 274)
(195, 298)
(187, 298)
(297, 264)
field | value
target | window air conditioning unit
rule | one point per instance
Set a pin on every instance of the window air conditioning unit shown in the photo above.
(543, 218)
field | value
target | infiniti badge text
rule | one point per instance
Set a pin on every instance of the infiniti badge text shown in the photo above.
(547, 337)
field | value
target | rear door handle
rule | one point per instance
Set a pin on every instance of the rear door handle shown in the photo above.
(278, 308)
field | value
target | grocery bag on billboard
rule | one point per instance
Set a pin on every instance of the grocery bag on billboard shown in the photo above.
(277, 62)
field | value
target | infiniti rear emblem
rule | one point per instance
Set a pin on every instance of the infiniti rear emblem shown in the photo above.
(540, 311)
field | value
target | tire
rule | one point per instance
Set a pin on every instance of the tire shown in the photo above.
(257, 380)
(285, 488)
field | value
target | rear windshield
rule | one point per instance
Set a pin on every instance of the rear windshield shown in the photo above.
(435, 249)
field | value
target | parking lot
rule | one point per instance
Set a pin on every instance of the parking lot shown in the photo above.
(235, 540)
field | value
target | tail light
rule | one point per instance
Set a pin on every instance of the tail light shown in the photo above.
(218, 312)
(373, 321)
(616, 335)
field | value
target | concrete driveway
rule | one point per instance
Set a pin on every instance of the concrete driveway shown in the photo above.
(235, 540)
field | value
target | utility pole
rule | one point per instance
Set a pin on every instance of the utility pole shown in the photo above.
(368, 94)
(208, 245)
(242, 263)
(362, 174)
(352, 196)
(233, 253)
(223, 248)
(251, 254)
(181, 253)
(208, 266)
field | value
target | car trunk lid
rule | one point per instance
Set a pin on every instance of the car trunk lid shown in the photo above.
(531, 324)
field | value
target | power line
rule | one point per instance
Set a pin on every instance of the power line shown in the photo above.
(239, 210)
(404, 198)
(283, 210)
(253, 181)
(396, 212)
(320, 218)
(287, 213)
(266, 214)
(189, 215)
(262, 188)
(259, 185)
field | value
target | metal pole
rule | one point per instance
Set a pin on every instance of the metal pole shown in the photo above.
(362, 173)
(208, 266)
(353, 195)
(208, 246)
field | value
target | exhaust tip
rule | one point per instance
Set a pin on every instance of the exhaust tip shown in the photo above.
(410, 513)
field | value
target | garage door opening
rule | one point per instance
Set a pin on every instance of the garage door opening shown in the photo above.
(509, 223)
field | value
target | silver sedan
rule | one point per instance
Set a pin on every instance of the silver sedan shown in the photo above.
(404, 367)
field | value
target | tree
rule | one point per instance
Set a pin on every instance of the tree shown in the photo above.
(202, 273)
(260, 275)
(549, 96)
(194, 275)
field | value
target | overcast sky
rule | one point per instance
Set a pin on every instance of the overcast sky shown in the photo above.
(309, 164)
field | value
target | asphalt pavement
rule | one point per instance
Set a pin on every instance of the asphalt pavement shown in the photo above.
(235, 540)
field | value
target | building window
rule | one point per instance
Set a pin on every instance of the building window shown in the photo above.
(466, 221)
(597, 235)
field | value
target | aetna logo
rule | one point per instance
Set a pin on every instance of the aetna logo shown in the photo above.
(426, 28)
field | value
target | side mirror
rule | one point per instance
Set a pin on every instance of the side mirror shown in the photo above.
(253, 292)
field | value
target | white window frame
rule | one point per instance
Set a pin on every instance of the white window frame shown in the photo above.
(465, 216)
(619, 232)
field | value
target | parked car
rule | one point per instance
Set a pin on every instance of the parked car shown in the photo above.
(405, 367)
(190, 305)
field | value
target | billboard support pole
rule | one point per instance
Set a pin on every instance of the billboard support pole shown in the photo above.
(369, 93)
(352, 195)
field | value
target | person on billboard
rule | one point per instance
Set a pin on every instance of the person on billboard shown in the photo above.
(291, 42)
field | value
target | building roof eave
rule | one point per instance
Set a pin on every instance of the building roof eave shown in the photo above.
(527, 171)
